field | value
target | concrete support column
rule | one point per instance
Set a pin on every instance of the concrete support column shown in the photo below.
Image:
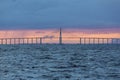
(40, 40)
(80, 41)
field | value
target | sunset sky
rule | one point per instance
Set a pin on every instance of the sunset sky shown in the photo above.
(43, 18)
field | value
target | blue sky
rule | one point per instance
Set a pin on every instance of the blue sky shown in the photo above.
(37, 14)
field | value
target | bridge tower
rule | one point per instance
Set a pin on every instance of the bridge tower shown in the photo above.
(60, 36)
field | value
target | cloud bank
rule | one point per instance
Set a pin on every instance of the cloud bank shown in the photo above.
(37, 14)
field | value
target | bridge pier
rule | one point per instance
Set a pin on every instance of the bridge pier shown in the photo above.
(27, 40)
(80, 41)
(40, 40)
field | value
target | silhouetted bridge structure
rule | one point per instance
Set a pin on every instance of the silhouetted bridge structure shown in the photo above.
(57, 40)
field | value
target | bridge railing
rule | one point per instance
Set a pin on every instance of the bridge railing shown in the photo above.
(65, 40)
